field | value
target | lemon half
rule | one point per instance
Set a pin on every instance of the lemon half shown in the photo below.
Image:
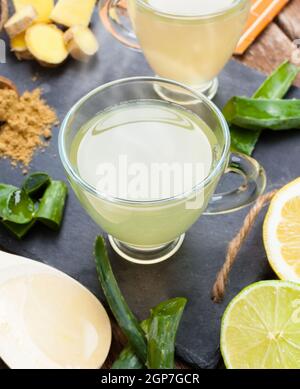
(261, 327)
(281, 232)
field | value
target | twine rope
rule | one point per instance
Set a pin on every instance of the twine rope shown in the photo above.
(235, 245)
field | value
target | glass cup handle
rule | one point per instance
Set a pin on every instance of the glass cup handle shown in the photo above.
(254, 185)
(115, 18)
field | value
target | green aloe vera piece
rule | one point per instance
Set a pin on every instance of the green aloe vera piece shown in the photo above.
(161, 348)
(128, 358)
(19, 207)
(254, 114)
(5, 192)
(52, 204)
(163, 326)
(274, 87)
(36, 184)
(122, 313)
(160, 329)
(19, 230)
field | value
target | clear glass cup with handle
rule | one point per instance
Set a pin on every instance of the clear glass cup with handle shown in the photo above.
(150, 230)
(187, 41)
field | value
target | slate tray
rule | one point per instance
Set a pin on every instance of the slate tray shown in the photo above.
(192, 271)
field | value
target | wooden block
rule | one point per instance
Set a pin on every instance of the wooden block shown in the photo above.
(289, 20)
(269, 50)
(262, 13)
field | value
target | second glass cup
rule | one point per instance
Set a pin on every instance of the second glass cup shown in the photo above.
(188, 41)
(124, 135)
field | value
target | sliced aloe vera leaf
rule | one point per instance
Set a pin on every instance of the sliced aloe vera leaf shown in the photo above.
(36, 183)
(122, 313)
(163, 326)
(18, 230)
(274, 87)
(128, 358)
(52, 204)
(254, 114)
(19, 207)
(5, 192)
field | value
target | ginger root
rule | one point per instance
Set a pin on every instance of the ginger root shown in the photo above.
(42, 7)
(20, 21)
(3, 13)
(46, 43)
(19, 47)
(73, 12)
(34, 35)
(81, 43)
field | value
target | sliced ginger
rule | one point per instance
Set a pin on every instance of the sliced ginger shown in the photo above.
(42, 7)
(46, 43)
(20, 21)
(81, 43)
(19, 47)
(32, 37)
(18, 43)
(73, 12)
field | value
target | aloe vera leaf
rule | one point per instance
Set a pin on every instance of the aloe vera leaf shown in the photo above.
(36, 184)
(274, 87)
(128, 358)
(120, 309)
(254, 114)
(18, 230)
(52, 204)
(5, 192)
(19, 207)
(163, 326)
(278, 83)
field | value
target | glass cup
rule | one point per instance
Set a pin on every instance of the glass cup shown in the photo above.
(192, 49)
(151, 231)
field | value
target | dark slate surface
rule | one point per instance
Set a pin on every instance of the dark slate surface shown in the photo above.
(192, 271)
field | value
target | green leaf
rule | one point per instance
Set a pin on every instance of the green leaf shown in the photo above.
(120, 309)
(128, 358)
(19, 230)
(278, 83)
(163, 326)
(5, 192)
(19, 207)
(36, 184)
(243, 141)
(52, 204)
(254, 114)
(19, 212)
(274, 87)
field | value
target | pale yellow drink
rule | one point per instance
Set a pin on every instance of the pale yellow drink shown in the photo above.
(188, 40)
(167, 151)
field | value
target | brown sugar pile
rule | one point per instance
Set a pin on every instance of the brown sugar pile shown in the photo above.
(26, 123)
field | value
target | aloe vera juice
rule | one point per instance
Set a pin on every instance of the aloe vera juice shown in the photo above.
(144, 160)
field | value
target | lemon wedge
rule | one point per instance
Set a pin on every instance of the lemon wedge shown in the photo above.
(281, 232)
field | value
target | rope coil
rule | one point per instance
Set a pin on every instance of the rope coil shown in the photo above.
(235, 245)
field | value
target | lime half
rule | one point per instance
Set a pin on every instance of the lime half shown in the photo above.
(261, 327)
